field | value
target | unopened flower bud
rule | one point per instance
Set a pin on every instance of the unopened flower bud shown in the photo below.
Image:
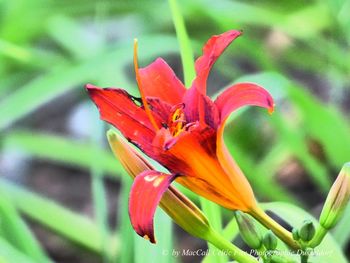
(249, 233)
(337, 199)
(307, 231)
(182, 210)
(270, 240)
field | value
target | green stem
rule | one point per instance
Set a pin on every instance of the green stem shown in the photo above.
(319, 236)
(184, 42)
(227, 247)
(304, 258)
(276, 228)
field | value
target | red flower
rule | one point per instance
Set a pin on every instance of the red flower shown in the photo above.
(182, 130)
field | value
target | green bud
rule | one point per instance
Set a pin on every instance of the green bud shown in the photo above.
(307, 231)
(337, 199)
(249, 233)
(270, 241)
(295, 233)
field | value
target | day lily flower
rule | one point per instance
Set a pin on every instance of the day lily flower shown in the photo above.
(182, 129)
(182, 210)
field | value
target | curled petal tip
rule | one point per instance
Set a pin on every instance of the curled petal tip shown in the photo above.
(152, 240)
(89, 87)
(146, 193)
(271, 109)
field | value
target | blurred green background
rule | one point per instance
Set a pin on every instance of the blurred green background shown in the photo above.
(63, 196)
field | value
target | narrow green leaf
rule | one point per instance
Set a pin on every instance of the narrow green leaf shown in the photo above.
(16, 232)
(66, 223)
(61, 149)
(99, 194)
(124, 227)
(184, 42)
(9, 254)
(332, 130)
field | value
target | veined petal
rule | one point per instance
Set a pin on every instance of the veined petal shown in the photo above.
(159, 80)
(146, 193)
(117, 107)
(199, 107)
(211, 51)
(243, 94)
(237, 96)
(160, 109)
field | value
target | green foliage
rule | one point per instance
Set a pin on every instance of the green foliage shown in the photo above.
(50, 49)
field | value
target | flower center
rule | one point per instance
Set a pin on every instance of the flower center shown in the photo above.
(177, 120)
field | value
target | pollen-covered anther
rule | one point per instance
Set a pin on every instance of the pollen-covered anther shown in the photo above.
(177, 120)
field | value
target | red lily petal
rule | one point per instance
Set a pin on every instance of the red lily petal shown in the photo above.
(199, 107)
(159, 80)
(211, 51)
(146, 193)
(160, 109)
(117, 107)
(243, 94)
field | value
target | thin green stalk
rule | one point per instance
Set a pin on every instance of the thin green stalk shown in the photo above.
(230, 249)
(213, 213)
(99, 196)
(304, 258)
(98, 188)
(184, 42)
(276, 228)
(319, 236)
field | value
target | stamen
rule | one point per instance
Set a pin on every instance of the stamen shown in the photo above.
(177, 120)
(143, 97)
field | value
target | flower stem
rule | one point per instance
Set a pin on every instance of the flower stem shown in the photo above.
(276, 228)
(319, 236)
(230, 249)
(304, 258)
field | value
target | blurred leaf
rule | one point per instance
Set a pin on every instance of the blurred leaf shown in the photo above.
(66, 223)
(341, 232)
(99, 195)
(16, 232)
(324, 123)
(9, 254)
(124, 228)
(61, 149)
(74, 37)
(161, 253)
